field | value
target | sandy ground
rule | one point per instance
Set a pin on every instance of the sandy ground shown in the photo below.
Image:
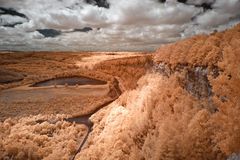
(46, 100)
(31, 94)
(91, 61)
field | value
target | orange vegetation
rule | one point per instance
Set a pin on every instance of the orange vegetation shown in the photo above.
(128, 69)
(29, 139)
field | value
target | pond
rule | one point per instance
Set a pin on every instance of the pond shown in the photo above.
(70, 81)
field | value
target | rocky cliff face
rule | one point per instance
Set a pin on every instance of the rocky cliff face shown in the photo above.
(187, 107)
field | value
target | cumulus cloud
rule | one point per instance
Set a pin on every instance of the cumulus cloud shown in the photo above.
(116, 25)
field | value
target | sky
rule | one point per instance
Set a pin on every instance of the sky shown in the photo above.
(109, 25)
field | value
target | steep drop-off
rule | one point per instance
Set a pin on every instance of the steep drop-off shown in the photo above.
(186, 107)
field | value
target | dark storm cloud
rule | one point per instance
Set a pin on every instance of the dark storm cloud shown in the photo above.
(205, 5)
(49, 32)
(110, 24)
(162, 1)
(12, 25)
(99, 3)
(85, 29)
(182, 1)
(10, 11)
